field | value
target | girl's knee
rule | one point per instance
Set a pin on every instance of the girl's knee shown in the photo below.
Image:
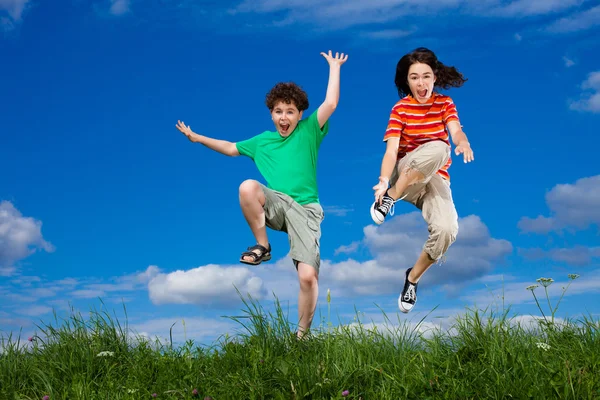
(442, 236)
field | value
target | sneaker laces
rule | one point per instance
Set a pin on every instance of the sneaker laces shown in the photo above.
(410, 294)
(387, 205)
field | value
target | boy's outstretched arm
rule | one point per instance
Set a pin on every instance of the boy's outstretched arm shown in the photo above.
(221, 146)
(333, 87)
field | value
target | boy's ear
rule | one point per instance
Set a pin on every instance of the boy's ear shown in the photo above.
(300, 117)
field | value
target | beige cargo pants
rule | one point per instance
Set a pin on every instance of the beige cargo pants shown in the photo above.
(431, 195)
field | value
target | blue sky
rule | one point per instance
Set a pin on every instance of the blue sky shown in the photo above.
(102, 198)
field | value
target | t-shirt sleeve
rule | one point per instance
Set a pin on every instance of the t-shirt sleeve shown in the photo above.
(313, 123)
(395, 125)
(449, 112)
(248, 147)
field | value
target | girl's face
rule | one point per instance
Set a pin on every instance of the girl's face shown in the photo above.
(420, 81)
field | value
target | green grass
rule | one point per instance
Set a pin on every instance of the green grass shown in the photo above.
(484, 355)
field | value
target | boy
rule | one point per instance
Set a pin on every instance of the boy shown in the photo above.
(287, 160)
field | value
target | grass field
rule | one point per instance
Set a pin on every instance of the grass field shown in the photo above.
(484, 355)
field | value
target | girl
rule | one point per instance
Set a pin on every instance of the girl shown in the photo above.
(417, 157)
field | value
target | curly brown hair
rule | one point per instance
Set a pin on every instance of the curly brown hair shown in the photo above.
(289, 93)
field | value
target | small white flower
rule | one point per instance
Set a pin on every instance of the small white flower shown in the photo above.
(545, 282)
(544, 346)
(105, 354)
(531, 287)
(131, 390)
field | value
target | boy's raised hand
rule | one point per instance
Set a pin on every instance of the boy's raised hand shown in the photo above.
(339, 59)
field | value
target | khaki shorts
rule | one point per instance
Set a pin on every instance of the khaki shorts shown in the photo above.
(301, 223)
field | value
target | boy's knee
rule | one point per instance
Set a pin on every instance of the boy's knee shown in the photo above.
(249, 188)
(308, 277)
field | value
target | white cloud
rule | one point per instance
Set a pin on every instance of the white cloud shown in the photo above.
(389, 33)
(119, 7)
(516, 293)
(339, 14)
(362, 278)
(11, 321)
(437, 321)
(576, 22)
(14, 8)
(210, 284)
(568, 62)
(347, 249)
(87, 293)
(397, 243)
(71, 282)
(576, 256)
(19, 237)
(43, 292)
(574, 205)
(338, 211)
(533, 7)
(182, 328)
(35, 311)
(26, 281)
(11, 13)
(589, 100)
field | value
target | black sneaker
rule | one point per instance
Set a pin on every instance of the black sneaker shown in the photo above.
(380, 210)
(408, 297)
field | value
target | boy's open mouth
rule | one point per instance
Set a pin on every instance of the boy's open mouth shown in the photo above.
(284, 128)
(422, 92)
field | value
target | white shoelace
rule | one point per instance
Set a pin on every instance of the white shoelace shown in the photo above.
(387, 205)
(410, 293)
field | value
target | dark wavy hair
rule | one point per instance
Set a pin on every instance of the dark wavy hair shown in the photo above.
(446, 77)
(289, 93)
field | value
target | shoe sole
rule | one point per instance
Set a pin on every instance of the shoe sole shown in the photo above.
(404, 310)
(374, 216)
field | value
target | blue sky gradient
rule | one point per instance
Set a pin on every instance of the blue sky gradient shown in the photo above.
(102, 198)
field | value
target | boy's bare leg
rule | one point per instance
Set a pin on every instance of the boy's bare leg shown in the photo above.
(252, 200)
(307, 297)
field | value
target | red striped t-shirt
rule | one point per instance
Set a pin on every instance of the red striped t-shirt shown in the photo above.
(415, 124)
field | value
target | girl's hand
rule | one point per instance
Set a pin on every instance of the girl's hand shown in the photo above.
(464, 148)
(381, 188)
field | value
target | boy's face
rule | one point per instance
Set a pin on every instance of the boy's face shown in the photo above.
(285, 117)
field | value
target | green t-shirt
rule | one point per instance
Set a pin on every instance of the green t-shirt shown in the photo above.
(289, 164)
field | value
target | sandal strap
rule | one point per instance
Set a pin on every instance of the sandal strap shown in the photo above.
(251, 254)
(260, 247)
(263, 251)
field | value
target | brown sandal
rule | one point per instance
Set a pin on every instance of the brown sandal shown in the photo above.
(264, 255)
